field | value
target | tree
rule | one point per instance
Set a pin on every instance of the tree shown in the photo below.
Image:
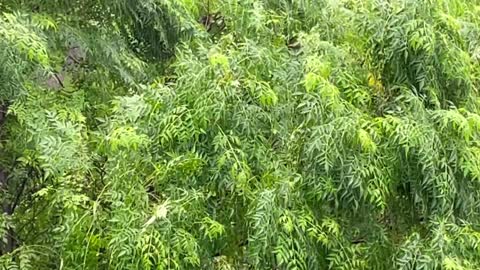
(287, 134)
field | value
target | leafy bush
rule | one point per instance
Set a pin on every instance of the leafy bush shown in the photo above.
(286, 134)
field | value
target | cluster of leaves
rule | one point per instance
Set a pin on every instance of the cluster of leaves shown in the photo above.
(309, 134)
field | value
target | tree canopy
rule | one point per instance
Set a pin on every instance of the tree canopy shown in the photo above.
(252, 134)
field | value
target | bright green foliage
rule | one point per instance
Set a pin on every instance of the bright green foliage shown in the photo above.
(287, 134)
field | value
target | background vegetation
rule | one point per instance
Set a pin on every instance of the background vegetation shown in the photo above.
(253, 134)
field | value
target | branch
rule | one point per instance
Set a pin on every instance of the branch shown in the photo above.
(19, 194)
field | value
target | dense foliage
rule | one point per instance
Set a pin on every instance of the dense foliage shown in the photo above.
(253, 134)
